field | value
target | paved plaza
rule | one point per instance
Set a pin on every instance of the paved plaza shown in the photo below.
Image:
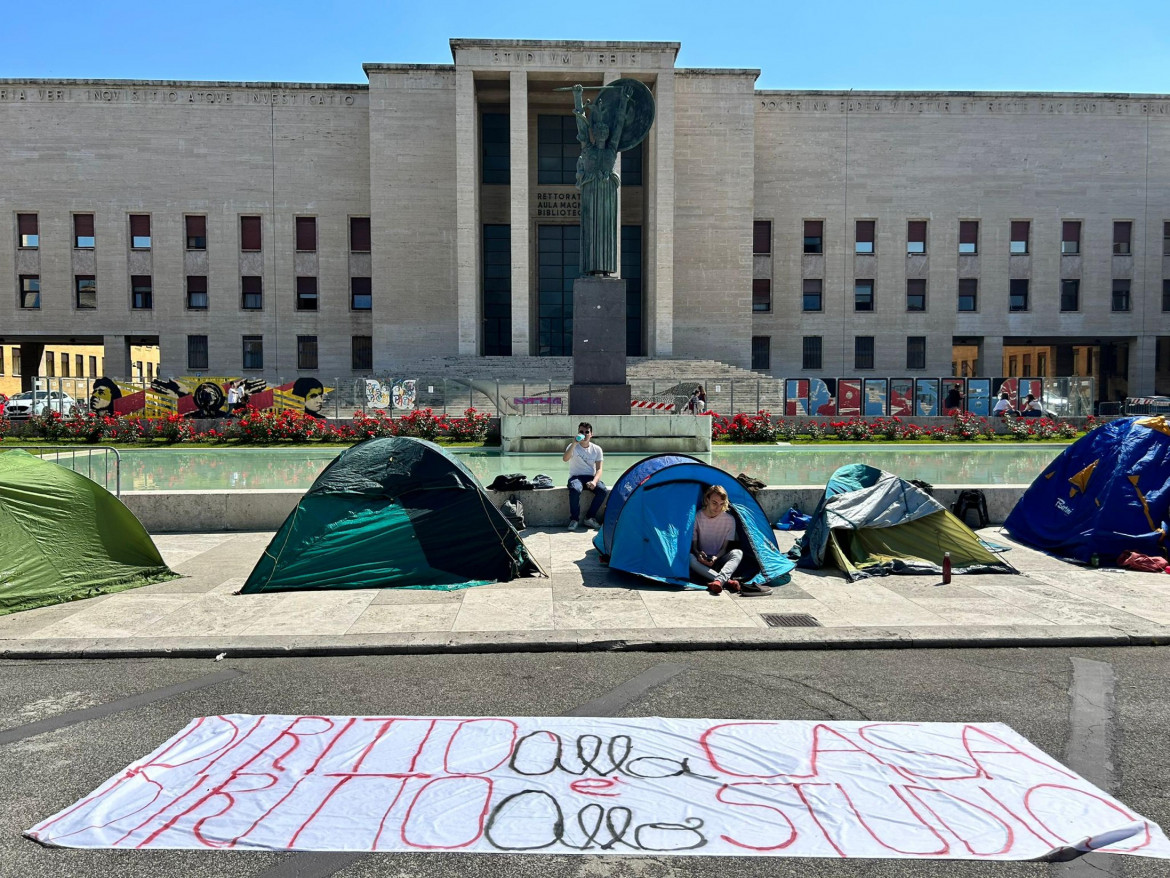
(584, 605)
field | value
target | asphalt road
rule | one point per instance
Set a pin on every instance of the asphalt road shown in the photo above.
(67, 726)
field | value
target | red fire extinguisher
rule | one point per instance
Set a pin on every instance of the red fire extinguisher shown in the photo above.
(946, 568)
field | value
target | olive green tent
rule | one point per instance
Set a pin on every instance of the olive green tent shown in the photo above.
(392, 512)
(872, 523)
(63, 537)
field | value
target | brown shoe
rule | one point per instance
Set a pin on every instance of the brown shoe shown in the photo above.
(732, 585)
(714, 587)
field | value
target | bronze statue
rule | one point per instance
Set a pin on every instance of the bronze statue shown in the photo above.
(618, 119)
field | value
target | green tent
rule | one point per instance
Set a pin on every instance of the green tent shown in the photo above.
(392, 512)
(63, 537)
(872, 523)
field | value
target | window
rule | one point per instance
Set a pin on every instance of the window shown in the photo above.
(1166, 295)
(307, 352)
(761, 352)
(1120, 295)
(631, 174)
(50, 364)
(814, 236)
(253, 352)
(16, 362)
(250, 236)
(93, 369)
(968, 294)
(306, 234)
(497, 290)
(916, 352)
(863, 352)
(1122, 235)
(810, 353)
(762, 294)
(361, 297)
(197, 353)
(1027, 361)
(83, 237)
(559, 258)
(79, 363)
(141, 292)
(762, 236)
(1041, 364)
(863, 295)
(1070, 237)
(359, 234)
(631, 273)
(916, 236)
(1020, 232)
(196, 232)
(85, 290)
(1, 360)
(1070, 295)
(968, 236)
(916, 294)
(30, 291)
(557, 149)
(496, 149)
(1166, 239)
(306, 293)
(865, 236)
(252, 288)
(1018, 295)
(150, 372)
(363, 353)
(196, 292)
(26, 228)
(812, 294)
(140, 231)
(64, 365)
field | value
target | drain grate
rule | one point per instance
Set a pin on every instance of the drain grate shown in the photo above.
(792, 620)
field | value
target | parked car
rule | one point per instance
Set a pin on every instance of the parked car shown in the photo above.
(40, 402)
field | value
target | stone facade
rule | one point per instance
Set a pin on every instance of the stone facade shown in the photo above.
(407, 152)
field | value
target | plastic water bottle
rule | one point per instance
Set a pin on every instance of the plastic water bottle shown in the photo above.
(946, 568)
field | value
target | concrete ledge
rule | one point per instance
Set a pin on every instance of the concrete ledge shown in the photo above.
(549, 434)
(584, 640)
(210, 511)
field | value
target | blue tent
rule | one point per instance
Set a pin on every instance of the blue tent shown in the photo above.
(1107, 493)
(650, 519)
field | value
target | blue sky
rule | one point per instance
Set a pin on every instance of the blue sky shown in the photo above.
(997, 45)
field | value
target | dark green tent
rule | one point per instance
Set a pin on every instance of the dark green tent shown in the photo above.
(63, 537)
(392, 512)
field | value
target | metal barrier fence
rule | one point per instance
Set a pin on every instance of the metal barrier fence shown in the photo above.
(829, 397)
(91, 461)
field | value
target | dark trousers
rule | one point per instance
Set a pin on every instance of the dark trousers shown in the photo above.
(576, 486)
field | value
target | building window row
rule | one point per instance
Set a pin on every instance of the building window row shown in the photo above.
(1019, 238)
(1019, 295)
(252, 353)
(812, 346)
(195, 229)
(51, 360)
(85, 293)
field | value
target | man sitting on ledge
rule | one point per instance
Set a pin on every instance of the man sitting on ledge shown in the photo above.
(585, 460)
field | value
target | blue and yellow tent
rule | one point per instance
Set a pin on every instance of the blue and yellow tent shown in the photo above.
(1107, 493)
(650, 520)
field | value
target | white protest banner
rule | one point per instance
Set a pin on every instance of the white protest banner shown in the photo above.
(565, 785)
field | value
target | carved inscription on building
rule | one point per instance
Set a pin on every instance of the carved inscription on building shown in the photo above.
(558, 205)
(561, 58)
(147, 95)
(966, 105)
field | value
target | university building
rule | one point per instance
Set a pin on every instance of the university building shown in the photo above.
(347, 230)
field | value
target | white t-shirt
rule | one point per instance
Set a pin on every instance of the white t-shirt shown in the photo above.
(1001, 406)
(712, 532)
(585, 459)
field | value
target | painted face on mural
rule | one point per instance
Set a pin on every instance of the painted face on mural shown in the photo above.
(101, 399)
(314, 400)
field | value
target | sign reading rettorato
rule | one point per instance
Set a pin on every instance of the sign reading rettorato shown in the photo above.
(558, 205)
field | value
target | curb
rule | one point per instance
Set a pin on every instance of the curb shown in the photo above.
(671, 640)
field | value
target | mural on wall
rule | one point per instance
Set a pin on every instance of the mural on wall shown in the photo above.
(400, 394)
(849, 397)
(796, 396)
(822, 393)
(902, 397)
(953, 396)
(875, 397)
(206, 398)
(979, 396)
(926, 397)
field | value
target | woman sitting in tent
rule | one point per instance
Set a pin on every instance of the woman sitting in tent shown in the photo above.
(711, 558)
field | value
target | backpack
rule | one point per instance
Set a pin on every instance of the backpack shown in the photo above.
(511, 482)
(513, 511)
(754, 486)
(923, 486)
(971, 500)
(541, 481)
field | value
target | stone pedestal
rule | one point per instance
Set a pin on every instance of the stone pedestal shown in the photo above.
(599, 348)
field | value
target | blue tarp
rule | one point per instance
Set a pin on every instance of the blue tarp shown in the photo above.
(650, 518)
(1106, 493)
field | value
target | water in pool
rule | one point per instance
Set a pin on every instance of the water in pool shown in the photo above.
(180, 469)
